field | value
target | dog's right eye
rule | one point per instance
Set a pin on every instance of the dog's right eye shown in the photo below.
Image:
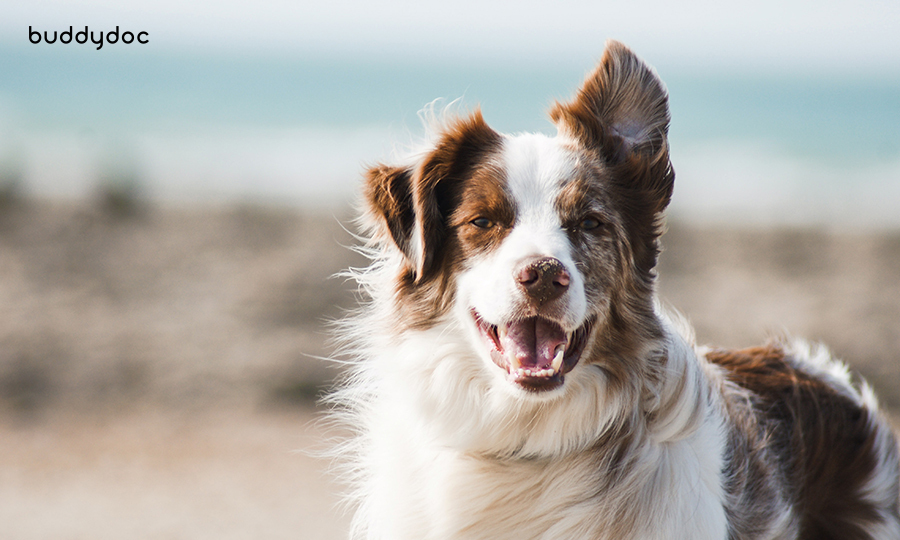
(482, 223)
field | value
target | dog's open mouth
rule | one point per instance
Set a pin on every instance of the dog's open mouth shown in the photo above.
(536, 352)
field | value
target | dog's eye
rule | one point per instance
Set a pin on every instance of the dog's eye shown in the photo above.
(589, 224)
(482, 223)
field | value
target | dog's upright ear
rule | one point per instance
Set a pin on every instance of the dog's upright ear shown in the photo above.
(622, 112)
(411, 204)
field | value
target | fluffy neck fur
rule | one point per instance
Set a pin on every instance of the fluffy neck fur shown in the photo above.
(437, 432)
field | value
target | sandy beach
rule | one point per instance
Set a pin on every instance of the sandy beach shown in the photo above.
(159, 366)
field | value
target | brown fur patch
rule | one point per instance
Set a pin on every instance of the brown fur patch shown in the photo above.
(453, 181)
(822, 440)
(483, 197)
(462, 149)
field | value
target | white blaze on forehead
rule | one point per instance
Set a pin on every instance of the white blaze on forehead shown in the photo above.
(535, 168)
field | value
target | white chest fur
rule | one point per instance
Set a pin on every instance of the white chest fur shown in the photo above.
(419, 489)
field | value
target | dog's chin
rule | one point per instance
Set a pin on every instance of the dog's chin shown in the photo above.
(536, 352)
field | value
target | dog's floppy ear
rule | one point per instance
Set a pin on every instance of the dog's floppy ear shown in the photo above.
(388, 194)
(413, 203)
(622, 112)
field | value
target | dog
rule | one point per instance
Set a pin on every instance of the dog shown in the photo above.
(513, 376)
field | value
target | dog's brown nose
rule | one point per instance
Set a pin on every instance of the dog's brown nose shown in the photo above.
(543, 279)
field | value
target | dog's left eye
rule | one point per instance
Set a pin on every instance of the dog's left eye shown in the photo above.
(589, 224)
(482, 223)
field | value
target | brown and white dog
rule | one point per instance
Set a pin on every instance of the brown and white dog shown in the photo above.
(513, 377)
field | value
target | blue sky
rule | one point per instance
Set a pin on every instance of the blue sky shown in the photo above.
(768, 34)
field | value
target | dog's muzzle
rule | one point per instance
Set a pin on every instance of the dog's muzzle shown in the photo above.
(534, 348)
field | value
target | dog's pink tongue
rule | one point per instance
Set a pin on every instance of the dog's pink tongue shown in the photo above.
(531, 343)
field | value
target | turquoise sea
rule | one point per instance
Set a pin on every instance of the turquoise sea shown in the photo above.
(297, 129)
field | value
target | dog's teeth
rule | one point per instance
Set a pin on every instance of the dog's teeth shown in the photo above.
(521, 372)
(558, 359)
(502, 330)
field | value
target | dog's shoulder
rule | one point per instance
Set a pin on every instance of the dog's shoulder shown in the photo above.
(809, 410)
(834, 448)
(785, 376)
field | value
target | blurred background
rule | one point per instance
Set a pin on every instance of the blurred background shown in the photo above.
(171, 214)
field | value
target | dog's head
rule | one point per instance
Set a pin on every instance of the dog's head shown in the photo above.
(544, 248)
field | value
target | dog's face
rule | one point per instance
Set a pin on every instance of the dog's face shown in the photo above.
(542, 248)
(536, 277)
